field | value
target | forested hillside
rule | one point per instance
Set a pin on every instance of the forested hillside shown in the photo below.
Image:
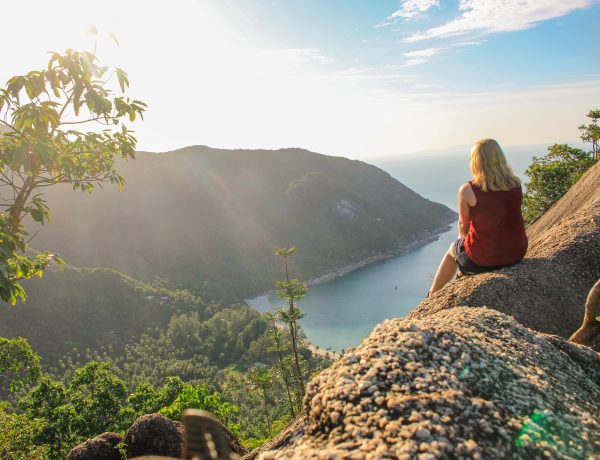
(91, 308)
(144, 340)
(207, 219)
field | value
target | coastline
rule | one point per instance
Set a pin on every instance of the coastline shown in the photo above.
(399, 251)
(403, 249)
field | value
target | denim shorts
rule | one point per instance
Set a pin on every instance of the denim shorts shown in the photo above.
(466, 265)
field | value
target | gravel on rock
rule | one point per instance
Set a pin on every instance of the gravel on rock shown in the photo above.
(463, 383)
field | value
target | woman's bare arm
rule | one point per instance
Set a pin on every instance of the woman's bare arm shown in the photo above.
(466, 200)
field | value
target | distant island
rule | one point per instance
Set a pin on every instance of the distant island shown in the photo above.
(206, 219)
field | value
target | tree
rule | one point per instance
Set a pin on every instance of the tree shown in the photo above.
(98, 398)
(17, 436)
(92, 403)
(147, 400)
(291, 290)
(551, 176)
(200, 397)
(18, 363)
(47, 404)
(39, 147)
(143, 400)
(591, 132)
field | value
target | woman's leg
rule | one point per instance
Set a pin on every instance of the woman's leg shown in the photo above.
(445, 272)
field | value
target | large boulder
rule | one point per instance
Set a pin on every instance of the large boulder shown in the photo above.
(547, 291)
(102, 447)
(154, 434)
(462, 383)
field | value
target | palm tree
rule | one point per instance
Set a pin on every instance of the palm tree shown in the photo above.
(285, 253)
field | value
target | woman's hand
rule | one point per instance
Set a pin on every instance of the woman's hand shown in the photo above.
(466, 200)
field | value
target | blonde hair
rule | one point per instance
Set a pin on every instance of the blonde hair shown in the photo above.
(490, 169)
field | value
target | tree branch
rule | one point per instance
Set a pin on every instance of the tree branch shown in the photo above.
(89, 120)
(9, 125)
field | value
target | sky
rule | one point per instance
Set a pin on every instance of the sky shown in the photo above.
(356, 78)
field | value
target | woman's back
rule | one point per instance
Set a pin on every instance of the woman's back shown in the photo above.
(491, 231)
(497, 232)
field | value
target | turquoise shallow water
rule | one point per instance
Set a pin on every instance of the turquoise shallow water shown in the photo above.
(342, 312)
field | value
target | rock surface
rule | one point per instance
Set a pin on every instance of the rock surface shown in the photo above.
(461, 383)
(154, 434)
(102, 447)
(546, 291)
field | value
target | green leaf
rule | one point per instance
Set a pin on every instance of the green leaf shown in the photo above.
(122, 78)
(37, 215)
(114, 37)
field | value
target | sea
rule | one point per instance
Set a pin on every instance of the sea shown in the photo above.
(341, 312)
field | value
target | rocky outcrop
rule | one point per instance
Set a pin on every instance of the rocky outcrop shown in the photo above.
(547, 291)
(103, 447)
(150, 435)
(154, 434)
(462, 383)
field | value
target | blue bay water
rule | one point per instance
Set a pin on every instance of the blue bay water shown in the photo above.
(342, 312)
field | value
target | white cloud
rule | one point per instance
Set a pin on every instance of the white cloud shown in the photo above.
(425, 53)
(387, 76)
(299, 55)
(424, 86)
(468, 43)
(420, 56)
(490, 16)
(413, 62)
(384, 24)
(412, 9)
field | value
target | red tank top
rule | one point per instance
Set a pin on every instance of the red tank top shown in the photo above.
(497, 231)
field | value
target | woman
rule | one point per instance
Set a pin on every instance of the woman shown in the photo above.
(491, 231)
